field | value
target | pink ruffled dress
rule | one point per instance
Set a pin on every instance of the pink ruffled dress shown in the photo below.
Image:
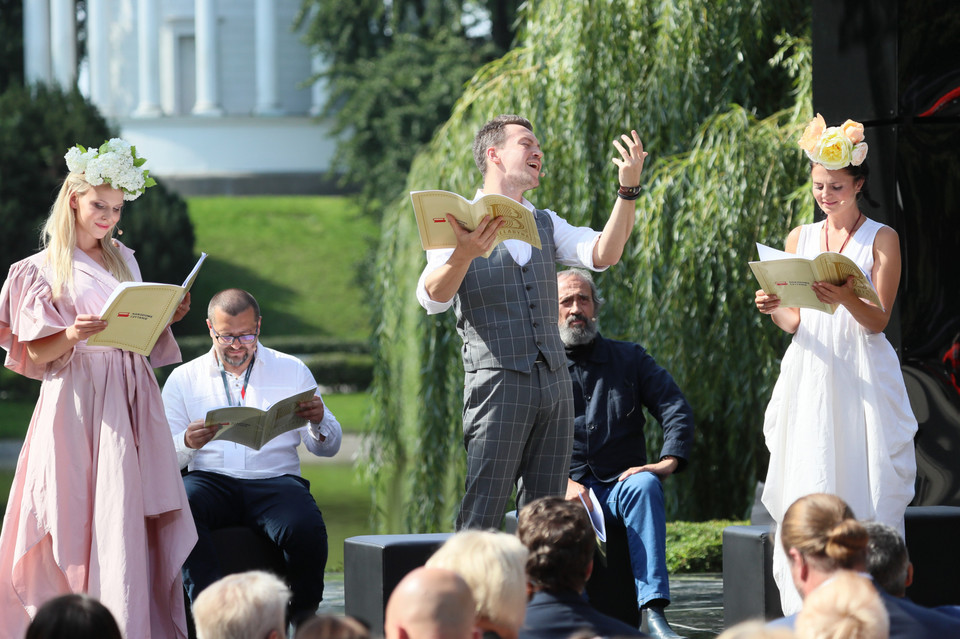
(97, 504)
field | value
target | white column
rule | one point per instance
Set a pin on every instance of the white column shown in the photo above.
(36, 41)
(318, 92)
(63, 42)
(208, 75)
(98, 55)
(148, 60)
(265, 19)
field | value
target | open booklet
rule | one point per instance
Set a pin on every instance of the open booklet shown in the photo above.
(431, 208)
(254, 427)
(596, 520)
(791, 277)
(137, 313)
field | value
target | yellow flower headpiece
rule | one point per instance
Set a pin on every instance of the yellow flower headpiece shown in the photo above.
(835, 147)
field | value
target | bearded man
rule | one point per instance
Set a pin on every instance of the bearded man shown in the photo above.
(612, 382)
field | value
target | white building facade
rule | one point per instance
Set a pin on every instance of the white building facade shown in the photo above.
(212, 92)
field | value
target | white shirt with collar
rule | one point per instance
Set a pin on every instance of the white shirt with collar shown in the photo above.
(574, 248)
(197, 387)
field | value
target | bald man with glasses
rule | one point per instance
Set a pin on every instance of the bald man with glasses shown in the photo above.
(229, 484)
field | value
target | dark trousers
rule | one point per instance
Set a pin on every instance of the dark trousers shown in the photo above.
(282, 507)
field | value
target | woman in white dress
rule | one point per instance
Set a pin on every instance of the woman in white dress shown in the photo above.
(839, 420)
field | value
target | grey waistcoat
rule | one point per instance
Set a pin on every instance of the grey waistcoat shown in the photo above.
(507, 313)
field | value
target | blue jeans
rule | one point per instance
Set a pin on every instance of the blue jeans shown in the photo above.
(636, 503)
(282, 507)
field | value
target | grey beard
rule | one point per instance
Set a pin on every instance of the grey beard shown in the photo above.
(579, 335)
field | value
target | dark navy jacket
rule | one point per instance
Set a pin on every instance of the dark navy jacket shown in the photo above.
(612, 381)
(559, 615)
(907, 619)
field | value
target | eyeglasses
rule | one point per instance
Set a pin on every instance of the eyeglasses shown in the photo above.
(227, 340)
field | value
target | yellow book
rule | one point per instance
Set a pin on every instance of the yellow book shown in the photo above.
(431, 208)
(253, 427)
(137, 313)
(791, 277)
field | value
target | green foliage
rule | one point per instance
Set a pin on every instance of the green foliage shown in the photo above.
(37, 126)
(334, 363)
(395, 70)
(716, 89)
(696, 547)
(11, 43)
(192, 346)
(296, 255)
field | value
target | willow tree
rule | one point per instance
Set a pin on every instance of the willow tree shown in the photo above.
(713, 87)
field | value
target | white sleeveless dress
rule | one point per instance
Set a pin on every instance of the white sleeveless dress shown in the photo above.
(839, 420)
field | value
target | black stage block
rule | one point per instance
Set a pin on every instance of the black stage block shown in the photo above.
(932, 532)
(611, 588)
(374, 564)
(749, 591)
(241, 549)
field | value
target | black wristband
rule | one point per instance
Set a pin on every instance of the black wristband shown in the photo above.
(628, 192)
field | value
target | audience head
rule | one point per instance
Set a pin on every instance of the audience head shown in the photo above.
(820, 535)
(431, 603)
(331, 627)
(887, 559)
(755, 629)
(494, 566)
(246, 605)
(561, 542)
(73, 617)
(847, 606)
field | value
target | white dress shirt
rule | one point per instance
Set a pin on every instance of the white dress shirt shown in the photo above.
(574, 248)
(197, 387)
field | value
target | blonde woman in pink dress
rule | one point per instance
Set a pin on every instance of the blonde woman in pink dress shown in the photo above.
(839, 420)
(97, 505)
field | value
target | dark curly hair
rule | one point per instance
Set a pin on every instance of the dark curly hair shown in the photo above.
(561, 541)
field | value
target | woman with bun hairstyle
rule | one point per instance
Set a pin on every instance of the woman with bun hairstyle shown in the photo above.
(839, 420)
(97, 505)
(821, 538)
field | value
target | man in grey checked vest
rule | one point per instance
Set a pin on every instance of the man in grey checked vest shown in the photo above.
(518, 406)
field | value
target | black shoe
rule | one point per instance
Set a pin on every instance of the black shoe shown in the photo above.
(657, 625)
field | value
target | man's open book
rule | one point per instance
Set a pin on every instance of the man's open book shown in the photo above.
(138, 312)
(254, 427)
(431, 208)
(791, 277)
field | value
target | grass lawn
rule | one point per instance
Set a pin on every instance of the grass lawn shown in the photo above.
(344, 502)
(351, 409)
(15, 417)
(299, 256)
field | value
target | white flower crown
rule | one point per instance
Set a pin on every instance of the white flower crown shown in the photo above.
(115, 163)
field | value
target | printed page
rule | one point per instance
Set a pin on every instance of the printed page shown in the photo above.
(240, 424)
(136, 314)
(431, 207)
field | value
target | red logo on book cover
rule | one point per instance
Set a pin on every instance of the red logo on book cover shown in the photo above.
(123, 314)
(781, 283)
(439, 220)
